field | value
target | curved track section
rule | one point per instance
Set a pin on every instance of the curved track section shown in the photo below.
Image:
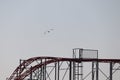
(25, 69)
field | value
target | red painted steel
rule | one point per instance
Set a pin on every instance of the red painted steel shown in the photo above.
(27, 62)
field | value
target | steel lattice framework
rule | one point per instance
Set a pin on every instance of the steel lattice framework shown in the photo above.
(22, 71)
(59, 68)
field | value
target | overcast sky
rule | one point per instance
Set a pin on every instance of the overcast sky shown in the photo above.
(91, 24)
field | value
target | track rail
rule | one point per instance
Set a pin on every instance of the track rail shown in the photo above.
(49, 60)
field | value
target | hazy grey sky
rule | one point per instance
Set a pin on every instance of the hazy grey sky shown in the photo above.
(91, 24)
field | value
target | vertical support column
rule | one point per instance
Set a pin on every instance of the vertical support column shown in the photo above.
(41, 74)
(55, 71)
(74, 56)
(58, 70)
(81, 68)
(45, 69)
(97, 70)
(77, 66)
(78, 72)
(81, 64)
(31, 73)
(70, 71)
(92, 70)
(73, 70)
(111, 68)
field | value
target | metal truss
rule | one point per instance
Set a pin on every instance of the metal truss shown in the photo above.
(58, 68)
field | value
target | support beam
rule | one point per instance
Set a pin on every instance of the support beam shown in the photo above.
(55, 71)
(93, 71)
(111, 68)
(70, 71)
(97, 70)
(31, 73)
(58, 70)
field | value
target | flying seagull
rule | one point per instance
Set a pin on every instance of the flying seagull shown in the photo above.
(48, 31)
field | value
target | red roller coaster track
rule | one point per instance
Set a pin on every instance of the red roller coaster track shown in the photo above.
(22, 74)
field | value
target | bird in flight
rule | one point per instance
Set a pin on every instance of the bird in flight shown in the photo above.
(48, 31)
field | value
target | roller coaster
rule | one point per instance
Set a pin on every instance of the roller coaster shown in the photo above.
(59, 68)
